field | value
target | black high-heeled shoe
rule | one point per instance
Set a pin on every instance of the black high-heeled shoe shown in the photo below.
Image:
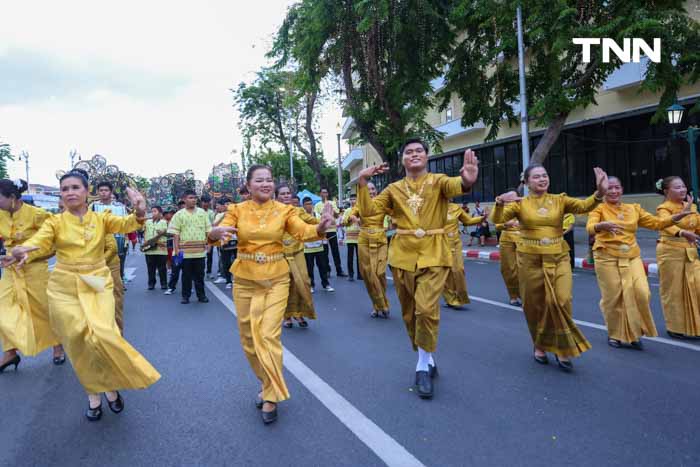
(94, 414)
(271, 416)
(259, 402)
(566, 365)
(60, 360)
(14, 361)
(116, 405)
(541, 359)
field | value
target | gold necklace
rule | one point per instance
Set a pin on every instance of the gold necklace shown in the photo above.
(415, 200)
(262, 219)
(541, 210)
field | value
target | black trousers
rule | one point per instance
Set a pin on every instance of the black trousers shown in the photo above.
(353, 252)
(569, 238)
(210, 260)
(122, 263)
(193, 271)
(332, 238)
(320, 261)
(157, 263)
(174, 275)
(226, 259)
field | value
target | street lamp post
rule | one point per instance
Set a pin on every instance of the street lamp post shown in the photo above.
(24, 155)
(340, 169)
(675, 115)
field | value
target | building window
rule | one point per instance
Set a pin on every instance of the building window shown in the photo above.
(448, 114)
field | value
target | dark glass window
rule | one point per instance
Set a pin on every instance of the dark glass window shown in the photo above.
(514, 165)
(499, 169)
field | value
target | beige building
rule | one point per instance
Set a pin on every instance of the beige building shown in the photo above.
(616, 135)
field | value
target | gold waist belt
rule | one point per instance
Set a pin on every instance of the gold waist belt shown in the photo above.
(80, 267)
(371, 231)
(261, 258)
(420, 233)
(675, 241)
(542, 241)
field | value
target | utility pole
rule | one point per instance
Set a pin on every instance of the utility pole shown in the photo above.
(340, 168)
(25, 157)
(73, 155)
(524, 130)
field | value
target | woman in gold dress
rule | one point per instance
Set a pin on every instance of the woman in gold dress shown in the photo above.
(624, 288)
(679, 267)
(24, 306)
(507, 245)
(300, 304)
(544, 270)
(455, 291)
(81, 302)
(261, 289)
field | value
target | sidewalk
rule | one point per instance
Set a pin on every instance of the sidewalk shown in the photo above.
(645, 238)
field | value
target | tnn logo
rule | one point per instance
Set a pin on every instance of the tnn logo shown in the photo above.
(629, 52)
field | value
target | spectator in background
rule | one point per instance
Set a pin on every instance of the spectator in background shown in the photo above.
(568, 228)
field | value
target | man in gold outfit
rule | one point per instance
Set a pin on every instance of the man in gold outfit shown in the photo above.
(419, 255)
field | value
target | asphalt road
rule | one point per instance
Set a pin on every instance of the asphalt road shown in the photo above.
(352, 401)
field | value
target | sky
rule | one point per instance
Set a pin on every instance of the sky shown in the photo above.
(143, 83)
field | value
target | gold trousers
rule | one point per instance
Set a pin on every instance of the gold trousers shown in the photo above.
(114, 268)
(24, 309)
(625, 296)
(419, 294)
(455, 291)
(81, 310)
(545, 285)
(373, 261)
(679, 287)
(509, 269)
(260, 306)
(300, 303)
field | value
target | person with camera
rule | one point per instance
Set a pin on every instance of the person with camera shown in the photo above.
(155, 248)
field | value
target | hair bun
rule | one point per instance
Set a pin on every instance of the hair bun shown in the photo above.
(21, 185)
(82, 172)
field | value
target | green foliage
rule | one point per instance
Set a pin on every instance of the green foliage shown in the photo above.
(5, 155)
(142, 183)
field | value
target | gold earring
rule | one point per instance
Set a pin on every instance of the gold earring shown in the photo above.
(13, 205)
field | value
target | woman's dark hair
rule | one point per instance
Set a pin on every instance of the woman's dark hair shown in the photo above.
(612, 177)
(223, 200)
(160, 209)
(529, 169)
(253, 168)
(14, 188)
(665, 183)
(77, 173)
(105, 183)
(279, 187)
(243, 190)
(413, 141)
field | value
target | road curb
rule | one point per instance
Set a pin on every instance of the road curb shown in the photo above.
(650, 268)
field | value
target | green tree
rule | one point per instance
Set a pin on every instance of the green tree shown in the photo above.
(277, 109)
(5, 155)
(483, 67)
(142, 183)
(383, 53)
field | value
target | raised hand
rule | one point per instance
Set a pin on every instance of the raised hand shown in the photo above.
(607, 226)
(369, 172)
(690, 236)
(7, 261)
(222, 233)
(470, 169)
(687, 209)
(601, 182)
(21, 254)
(137, 201)
(510, 197)
(327, 219)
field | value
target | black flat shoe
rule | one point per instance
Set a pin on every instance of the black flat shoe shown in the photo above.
(385, 315)
(433, 370)
(614, 343)
(60, 360)
(94, 414)
(676, 335)
(259, 402)
(116, 405)
(303, 323)
(203, 300)
(566, 366)
(14, 361)
(185, 301)
(269, 417)
(424, 385)
(288, 324)
(541, 359)
(637, 345)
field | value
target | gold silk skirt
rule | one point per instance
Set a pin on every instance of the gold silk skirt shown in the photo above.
(260, 307)
(455, 291)
(115, 270)
(679, 287)
(625, 297)
(24, 309)
(509, 269)
(419, 293)
(300, 304)
(81, 310)
(373, 261)
(545, 284)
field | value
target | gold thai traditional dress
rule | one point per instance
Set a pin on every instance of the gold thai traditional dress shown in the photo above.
(114, 265)
(507, 245)
(679, 272)
(81, 301)
(373, 253)
(300, 303)
(624, 289)
(419, 254)
(544, 269)
(24, 306)
(261, 289)
(455, 292)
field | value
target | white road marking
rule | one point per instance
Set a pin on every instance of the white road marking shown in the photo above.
(383, 445)
(129, 274)
(587, 324)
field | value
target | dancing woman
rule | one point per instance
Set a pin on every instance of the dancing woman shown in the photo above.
(81, 302)
(624, 288)
(544, 270)
(24, 307)
(679, 267)
(300, 304)
(507, 243)
(261, 289)
(455, 292)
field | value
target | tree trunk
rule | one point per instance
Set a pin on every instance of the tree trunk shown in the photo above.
(548, 139)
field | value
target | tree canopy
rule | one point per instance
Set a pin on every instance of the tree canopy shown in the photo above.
(5, 155)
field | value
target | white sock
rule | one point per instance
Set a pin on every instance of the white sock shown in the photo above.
(423, 360)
